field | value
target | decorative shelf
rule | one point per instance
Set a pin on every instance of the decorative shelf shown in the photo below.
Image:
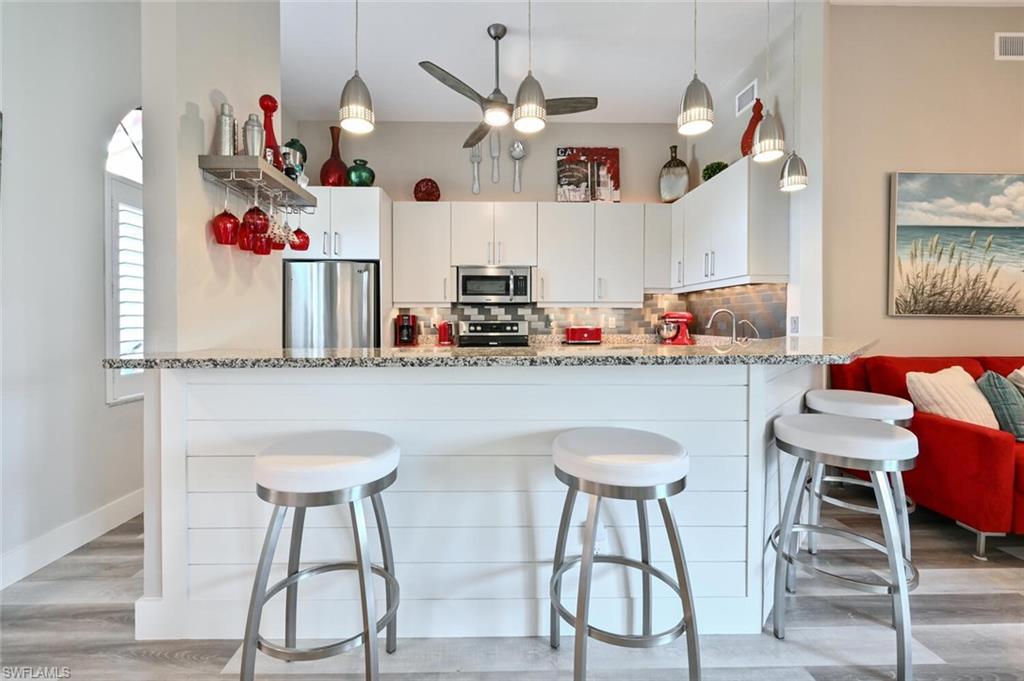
(244, 174)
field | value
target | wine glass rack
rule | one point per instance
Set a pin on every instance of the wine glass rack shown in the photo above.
(248, 174)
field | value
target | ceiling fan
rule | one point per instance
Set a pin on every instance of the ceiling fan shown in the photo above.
(496, 109)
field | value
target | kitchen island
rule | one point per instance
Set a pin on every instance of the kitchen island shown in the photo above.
(476, 505)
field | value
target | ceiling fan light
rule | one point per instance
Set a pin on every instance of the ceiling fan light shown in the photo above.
(531, 107)
(355, 112)
(697, 110)
(769, 141)
(497, 116)
(794, 174)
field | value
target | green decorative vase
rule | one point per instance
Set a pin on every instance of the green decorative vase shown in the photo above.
(360, 174)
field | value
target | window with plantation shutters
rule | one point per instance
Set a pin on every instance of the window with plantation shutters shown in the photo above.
(126, 276)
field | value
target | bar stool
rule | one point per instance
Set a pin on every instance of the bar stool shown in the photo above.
(620, 463)
(324, 469)
(858, 444)
(862, 405)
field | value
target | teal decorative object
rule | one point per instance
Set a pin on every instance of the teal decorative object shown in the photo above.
(360, 174)
(1007, 402)
(712, 169)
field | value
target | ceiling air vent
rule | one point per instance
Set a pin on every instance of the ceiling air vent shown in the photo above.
(1010, 46)
(745, 99)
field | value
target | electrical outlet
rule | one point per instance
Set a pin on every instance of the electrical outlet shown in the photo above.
(794, 324)
(611, 322)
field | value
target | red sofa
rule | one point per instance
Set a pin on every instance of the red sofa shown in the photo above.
(972, 474)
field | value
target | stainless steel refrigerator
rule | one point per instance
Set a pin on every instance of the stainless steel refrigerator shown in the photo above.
(331, 304)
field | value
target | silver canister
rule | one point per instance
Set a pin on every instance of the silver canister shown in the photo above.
(224, 138)
(253, 136)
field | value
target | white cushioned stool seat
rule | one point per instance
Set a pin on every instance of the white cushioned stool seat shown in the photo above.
(325, 461)
(620, 456)
(860, 404)
(858, 440)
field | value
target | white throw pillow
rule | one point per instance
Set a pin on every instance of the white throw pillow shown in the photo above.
(951, 393)
(1017, 378)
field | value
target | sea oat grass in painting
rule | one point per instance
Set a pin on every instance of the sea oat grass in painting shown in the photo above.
(958, 245)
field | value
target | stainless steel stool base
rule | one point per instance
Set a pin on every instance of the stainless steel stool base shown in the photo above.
(849, 505)
(603, 635)
(294, 654)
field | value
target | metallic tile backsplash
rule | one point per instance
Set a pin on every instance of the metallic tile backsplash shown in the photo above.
(763, 304)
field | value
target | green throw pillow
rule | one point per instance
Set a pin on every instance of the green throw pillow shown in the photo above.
(1007, 402)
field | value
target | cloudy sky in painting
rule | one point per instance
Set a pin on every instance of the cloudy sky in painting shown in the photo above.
(954, 199)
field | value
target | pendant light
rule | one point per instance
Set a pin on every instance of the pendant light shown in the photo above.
(531, 107)
(794, 171)
(355, 111)
(697, 110)
(769, 141)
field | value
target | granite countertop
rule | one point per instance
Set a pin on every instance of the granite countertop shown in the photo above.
(795, 350)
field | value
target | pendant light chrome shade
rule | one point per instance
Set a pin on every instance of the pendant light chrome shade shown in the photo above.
(355, 111)
(531, 107)
(356, 108)
(697, 110)
(794, 174)
(769, 141)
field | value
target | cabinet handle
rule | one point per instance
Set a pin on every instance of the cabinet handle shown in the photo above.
(490, 250)
(337, 243)
(712, 263)
(679, 271)
(705, 264)
(599, 288)
(499, 252)
(542, 288)
(445, 284)
(326, 237)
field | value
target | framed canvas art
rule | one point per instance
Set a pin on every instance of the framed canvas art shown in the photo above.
(587, 173)
(956, 245)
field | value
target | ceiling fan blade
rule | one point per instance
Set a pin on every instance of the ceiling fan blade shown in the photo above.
(570, 105)
(452, 82)
(479, 133)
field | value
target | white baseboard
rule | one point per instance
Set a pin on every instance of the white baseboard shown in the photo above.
(21, 561)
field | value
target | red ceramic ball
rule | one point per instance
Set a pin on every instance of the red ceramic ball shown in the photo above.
(426, 190)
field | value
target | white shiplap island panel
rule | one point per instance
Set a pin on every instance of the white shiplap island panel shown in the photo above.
(474, 511)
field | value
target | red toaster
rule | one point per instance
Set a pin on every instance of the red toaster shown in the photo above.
(583, 335)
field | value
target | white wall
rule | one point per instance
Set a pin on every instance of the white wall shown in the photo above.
(70, 73)
(204, 295)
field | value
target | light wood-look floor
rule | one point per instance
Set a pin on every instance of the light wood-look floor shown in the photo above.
(968, 624)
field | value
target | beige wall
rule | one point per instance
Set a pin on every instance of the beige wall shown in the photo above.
(911, 89)
(402, 153)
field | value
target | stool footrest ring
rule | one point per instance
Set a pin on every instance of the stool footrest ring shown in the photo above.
(625, 640)
(805, 561)
(849, 505)
(328, 650)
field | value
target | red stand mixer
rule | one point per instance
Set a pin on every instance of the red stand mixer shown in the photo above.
(672, 329)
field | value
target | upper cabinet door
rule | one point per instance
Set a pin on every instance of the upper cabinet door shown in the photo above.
(515, 233)
(355, 222)
(679, 263)
(700, 209)
(422, 253)
(727, 227)
(565, 253)
(473, 233)
(317, 225)
(619, 252)
(658, 246)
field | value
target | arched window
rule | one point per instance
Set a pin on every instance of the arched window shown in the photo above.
(125, 266)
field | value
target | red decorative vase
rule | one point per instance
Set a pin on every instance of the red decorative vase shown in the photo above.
(426, 190)
(300, 240)
(225, 228)
(257, 221)
(269, 105)
(747, 141)
(334, 172)
(245, 237)
(261, 244)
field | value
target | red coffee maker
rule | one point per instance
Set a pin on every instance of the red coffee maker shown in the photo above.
(672, 329)
(406, 330)
(444, 333)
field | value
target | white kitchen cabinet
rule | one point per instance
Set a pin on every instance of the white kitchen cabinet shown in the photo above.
(346, 224)
(565, 253)
(619, 253)
(422, 253)
(678, 259)
(736, 229)
(658, 265)
(472, 233)
(515, 233)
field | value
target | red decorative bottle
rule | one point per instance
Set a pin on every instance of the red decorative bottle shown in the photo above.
(334, 172)
(269, 105)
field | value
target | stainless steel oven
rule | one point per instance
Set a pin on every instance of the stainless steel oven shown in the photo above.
(494, 285)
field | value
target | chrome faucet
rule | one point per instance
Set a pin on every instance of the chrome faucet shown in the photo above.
(732, 315)
(757, 334)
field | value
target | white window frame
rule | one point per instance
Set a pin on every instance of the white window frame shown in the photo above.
(121, 388)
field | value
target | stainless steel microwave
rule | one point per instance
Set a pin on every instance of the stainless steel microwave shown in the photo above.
(494, 285)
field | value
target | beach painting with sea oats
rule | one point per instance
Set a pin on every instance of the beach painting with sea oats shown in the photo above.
(957, 245)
